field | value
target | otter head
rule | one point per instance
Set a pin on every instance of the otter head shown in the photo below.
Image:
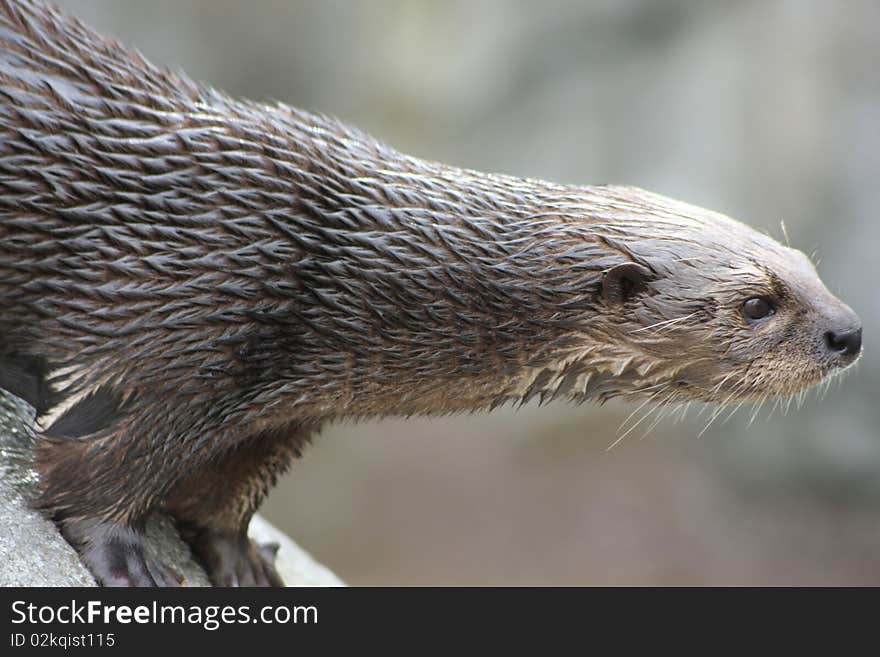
(705, 308)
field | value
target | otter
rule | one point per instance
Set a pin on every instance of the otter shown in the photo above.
(191, 286)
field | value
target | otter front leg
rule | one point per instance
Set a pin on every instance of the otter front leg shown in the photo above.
(101, 517)
(214, 507)
(116, 554)
(230, 558)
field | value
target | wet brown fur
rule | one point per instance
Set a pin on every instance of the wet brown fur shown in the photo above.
(191, 285)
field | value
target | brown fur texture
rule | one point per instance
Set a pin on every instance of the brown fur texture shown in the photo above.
(191, 285)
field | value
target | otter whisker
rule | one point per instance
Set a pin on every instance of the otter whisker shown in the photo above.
(721, 408)
(740, 388)
(633, 427)
(712, 419)
(663, 409)
(662, 384)
(756, 410)
(733, 412)
(773, 408)
(665, 323)
(657, 411)
(721, 383)
(825, 386)
(635, 412)
(684, 410)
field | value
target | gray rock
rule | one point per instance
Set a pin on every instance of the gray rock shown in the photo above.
(33, 552)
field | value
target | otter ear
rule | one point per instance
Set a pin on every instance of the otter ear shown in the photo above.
(621, 282)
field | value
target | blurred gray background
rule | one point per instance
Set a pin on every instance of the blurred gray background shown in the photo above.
(764, 110)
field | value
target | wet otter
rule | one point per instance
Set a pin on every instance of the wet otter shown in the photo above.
(191, 286)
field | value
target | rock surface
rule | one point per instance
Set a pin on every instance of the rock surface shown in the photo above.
(33, 552)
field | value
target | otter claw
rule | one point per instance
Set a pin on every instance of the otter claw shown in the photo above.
(116, 555)
(234, 560)
(269, 551)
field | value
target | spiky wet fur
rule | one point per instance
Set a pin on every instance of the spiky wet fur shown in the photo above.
(192, 285)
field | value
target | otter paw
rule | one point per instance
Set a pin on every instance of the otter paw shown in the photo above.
(116, 555)
(232, 559)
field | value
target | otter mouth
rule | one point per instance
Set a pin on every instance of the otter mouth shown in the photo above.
(761, 383)
(753, 390)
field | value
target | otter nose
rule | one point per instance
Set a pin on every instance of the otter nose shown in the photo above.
(846, 343)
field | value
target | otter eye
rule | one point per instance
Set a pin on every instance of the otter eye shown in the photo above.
(758, 308)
